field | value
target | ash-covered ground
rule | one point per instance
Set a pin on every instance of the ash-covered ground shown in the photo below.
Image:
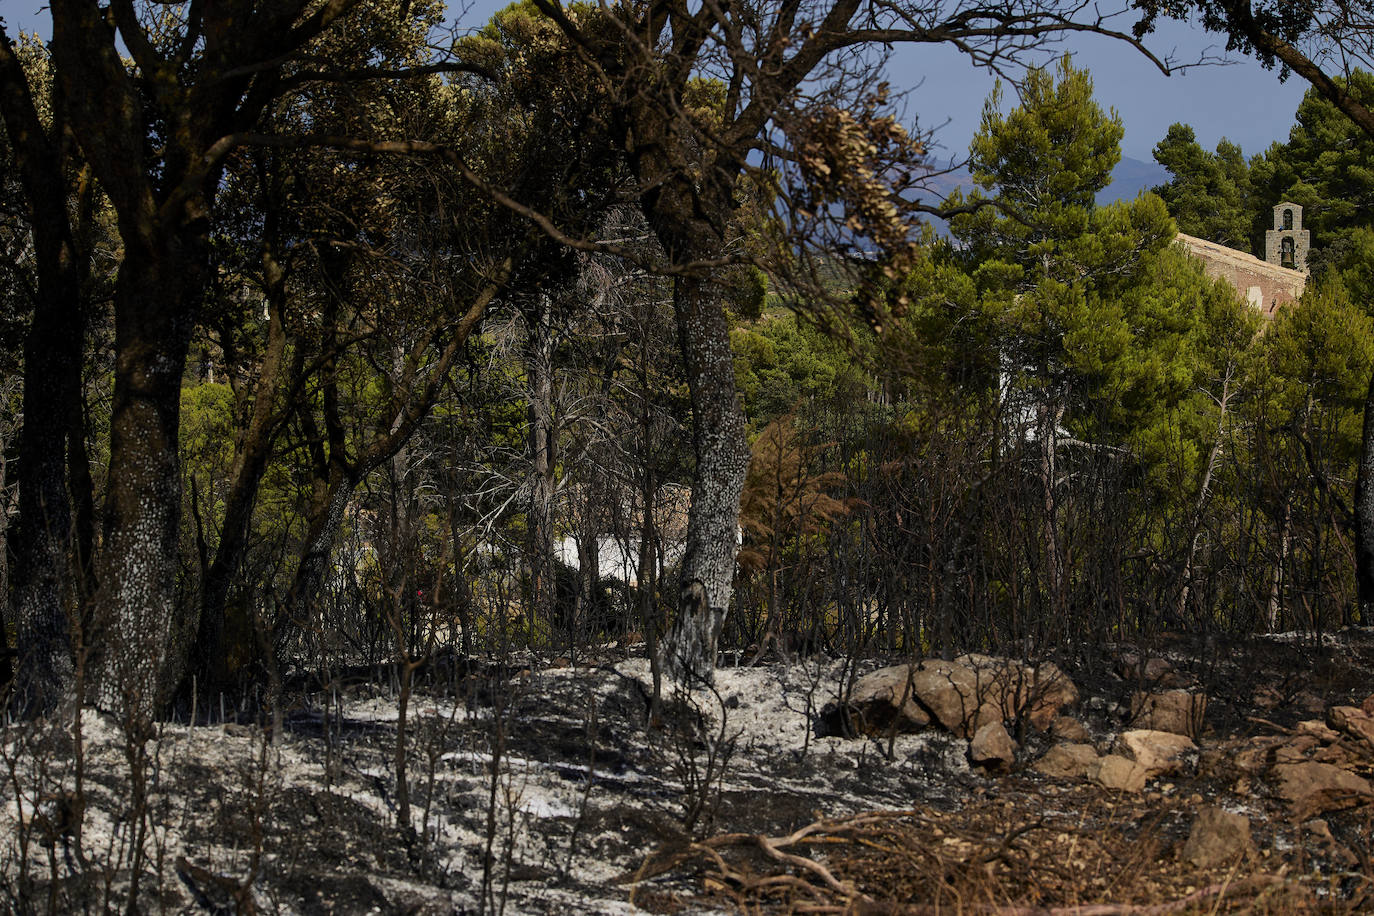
(535, 789)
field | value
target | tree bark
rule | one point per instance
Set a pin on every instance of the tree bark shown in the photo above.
(210, 654)
(543, 463)
(722, 460)
(163, 196)
(52, 385)
(1364, 516)
(689, 216)
(42, 537)
(140, 641)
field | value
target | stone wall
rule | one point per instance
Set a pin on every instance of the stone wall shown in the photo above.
(1265, 286)
(1288, 231)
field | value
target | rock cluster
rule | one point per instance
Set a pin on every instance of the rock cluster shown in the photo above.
(1177, 711)
(960, 696)
(977, 697)
(1313, 766)
(1136, 756)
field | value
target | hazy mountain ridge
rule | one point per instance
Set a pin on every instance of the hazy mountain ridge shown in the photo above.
(1129, 178)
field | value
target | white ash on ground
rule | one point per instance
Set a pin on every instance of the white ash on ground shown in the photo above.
(546, 791)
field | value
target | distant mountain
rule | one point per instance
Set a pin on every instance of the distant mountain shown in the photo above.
(1129, 178)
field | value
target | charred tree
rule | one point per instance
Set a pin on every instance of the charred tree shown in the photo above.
(52, 440)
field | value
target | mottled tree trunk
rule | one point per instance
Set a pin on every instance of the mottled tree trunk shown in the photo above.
(1364, 516)
(543, 463)
(324, 521)
(162, 194)
(140, 640)
(722, 460)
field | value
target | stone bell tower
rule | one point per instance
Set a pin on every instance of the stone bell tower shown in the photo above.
(1286, 244)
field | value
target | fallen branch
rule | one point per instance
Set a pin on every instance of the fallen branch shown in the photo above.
(900, 840)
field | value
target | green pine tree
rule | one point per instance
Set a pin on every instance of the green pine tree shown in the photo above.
(1210, 195)
(1327, 167)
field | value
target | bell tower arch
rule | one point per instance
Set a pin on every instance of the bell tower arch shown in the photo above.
(1286, 244)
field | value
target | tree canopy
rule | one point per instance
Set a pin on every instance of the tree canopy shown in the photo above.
(302, 287)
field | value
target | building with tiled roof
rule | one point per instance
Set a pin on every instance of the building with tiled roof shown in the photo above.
(1266, 284)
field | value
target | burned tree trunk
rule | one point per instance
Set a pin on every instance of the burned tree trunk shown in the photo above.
(43, 537)
(543, 444)
(1364, 516)
(722, 460)
(141, 638)
(42, 542)
(211, 653)
(691, 220)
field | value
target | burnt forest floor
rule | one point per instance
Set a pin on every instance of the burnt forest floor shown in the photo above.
(551, 789)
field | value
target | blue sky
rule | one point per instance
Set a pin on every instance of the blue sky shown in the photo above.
(1241, 101)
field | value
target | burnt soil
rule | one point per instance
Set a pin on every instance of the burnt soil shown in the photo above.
(540, 788)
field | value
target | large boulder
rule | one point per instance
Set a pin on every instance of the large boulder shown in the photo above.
(1176, 711)
(1158, 752)
(881, 701)
(992, 748)
(1311, 785)
(1218, 837)
(1067, 761)
(961, 695)
(955, 698)
(1116, 772)
(1037, 692)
